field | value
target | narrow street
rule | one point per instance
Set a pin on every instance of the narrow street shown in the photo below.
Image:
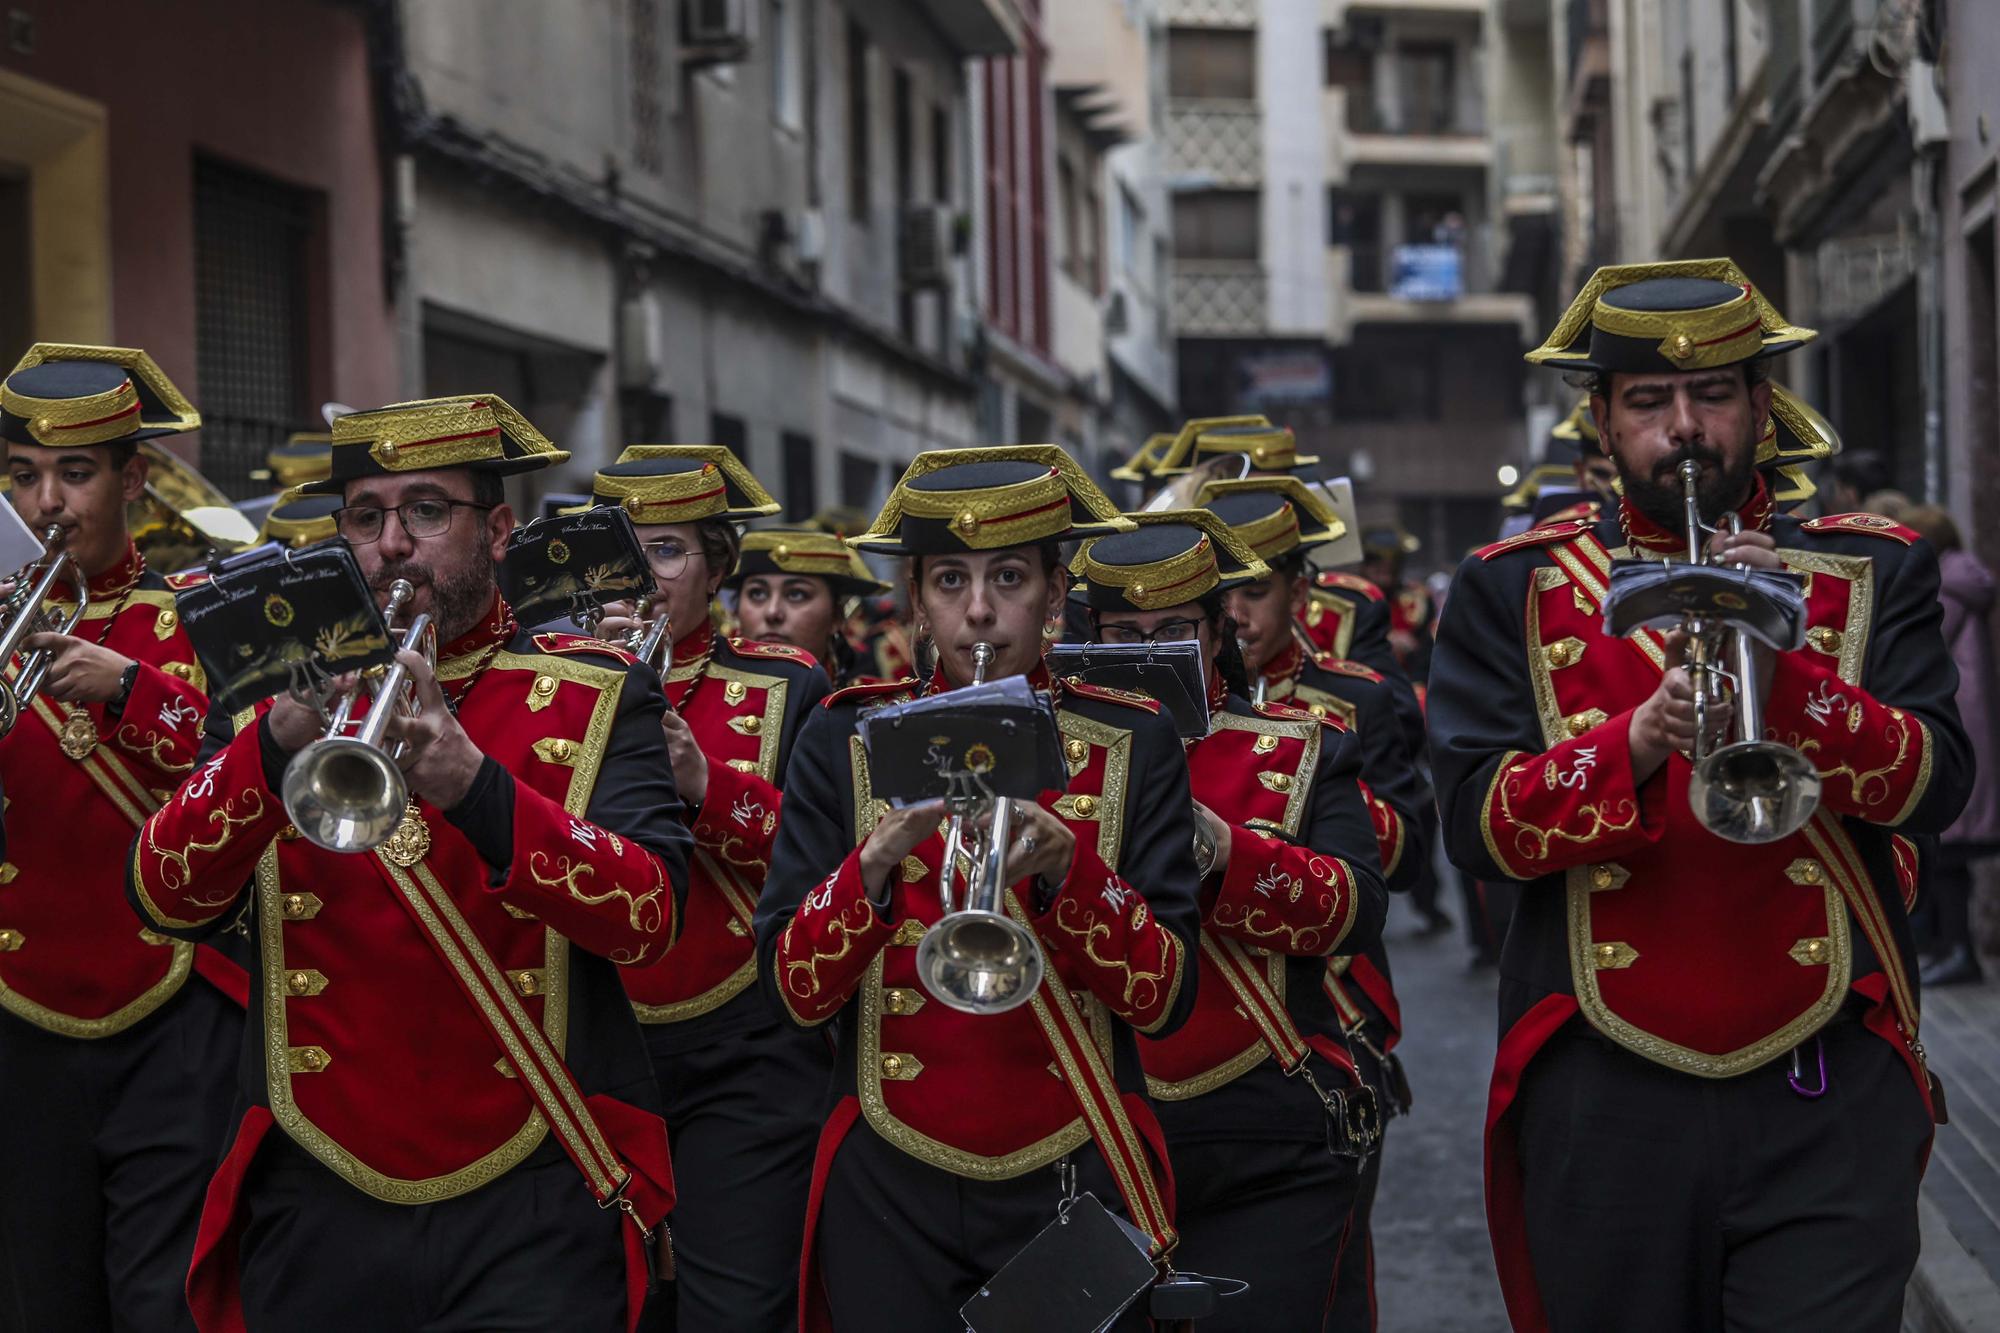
(1433, 1267)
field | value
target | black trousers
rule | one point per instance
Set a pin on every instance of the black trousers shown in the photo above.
(111, 1143)
(902, 1245)
(1271, 1212)
(528, 1252)
(1659, 1200)
(1352, 1309)
(746, 1096)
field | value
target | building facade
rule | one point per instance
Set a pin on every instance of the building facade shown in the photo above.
(1345, 222)
(228, 223)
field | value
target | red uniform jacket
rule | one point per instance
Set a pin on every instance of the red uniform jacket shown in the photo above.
(745, 702)
(80, 780)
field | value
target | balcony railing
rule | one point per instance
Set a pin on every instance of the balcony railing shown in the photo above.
(1219, 298)
(1216, 141)
(1411, 115)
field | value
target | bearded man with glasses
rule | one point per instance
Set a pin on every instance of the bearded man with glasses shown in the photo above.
(743, 1089)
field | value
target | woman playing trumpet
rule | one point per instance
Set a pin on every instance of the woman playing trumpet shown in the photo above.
(742, 1088)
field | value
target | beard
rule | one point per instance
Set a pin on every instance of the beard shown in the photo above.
(1723, 485)
(459, 599)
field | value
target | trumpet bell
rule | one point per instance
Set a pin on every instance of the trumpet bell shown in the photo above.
(344, 794)
(1754, 792)
(980, 962)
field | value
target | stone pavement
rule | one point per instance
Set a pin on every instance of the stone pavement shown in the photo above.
(1433, 1266)
(1957, 1286)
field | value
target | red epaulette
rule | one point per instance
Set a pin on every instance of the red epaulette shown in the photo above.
(1869, 525)
(550, 641)
(1347, 666)
(1542, 536)
(1110, 695)
(1345, 582)
(1588, 510)
(873, 689)
(758, 648)
(1293, 713)
(187, 578)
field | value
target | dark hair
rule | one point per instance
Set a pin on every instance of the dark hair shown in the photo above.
(1864, 471)
(1935, 526)
(1289, 566)
(721, 542)
(1229, 663)
(488, 488)
(123, 452)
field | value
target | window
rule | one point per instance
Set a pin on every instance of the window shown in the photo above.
(858, 122)
(858, 475)
(729, 432)
(941, 155)
(16, 263)
(786, 76)
(1131, 236)
(251, 333)
(1216, 224)
(1093, 239)
(1071, 209)
(801, 495)
(1428, 90)
(644, 415)
(1212, 62)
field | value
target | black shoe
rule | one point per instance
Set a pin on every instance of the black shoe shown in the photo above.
(1960, 967)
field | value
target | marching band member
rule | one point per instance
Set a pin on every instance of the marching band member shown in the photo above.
(1281, 521)
(793, 585)
(742, 1088)
(1710, 1106)
(116, 1044)
(954, 1138)
(1264, 1179)
(438, 1023)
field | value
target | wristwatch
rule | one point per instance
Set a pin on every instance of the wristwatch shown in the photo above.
(126, 680)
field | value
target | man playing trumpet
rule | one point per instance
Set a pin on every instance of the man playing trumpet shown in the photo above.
(1710, 1106)
(954, 1137)
(742, 1087)
(116, 1044)
(437, 1022)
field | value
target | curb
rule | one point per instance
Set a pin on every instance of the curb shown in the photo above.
(1950, 1292)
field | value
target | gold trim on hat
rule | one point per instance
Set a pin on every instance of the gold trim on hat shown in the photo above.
(1584, 310)
(1175, 459)
(294, 469)
(814, 554)
(1139, 467)
(987, 511)
(1816, 436)
(139, 366)
(443, 432)
(759, 503)
(1284, 531)
(1178, 578)
(1579, 425)
(676, 497)
(94, 419)
(1272, 450)
(296, 532)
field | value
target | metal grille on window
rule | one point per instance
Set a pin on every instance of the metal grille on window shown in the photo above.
(250, 320)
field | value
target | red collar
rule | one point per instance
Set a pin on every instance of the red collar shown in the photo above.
(1643, 534)
(493, 630)
(1218, 693)
(122, 577)
(1285, 666)
(697, 643)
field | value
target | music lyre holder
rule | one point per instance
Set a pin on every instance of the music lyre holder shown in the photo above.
(1172, 674)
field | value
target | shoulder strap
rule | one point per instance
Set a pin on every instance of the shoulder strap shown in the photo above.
(1090, 1081)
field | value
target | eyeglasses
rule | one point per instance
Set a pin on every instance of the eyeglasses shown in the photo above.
(668, 559)
(1167, 631)
(362, 524)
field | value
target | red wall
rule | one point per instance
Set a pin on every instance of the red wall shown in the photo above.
(279, 87)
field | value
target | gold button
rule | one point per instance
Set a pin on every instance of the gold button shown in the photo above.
(1265, 744)
(294, 904)
(966, 521)
(1816, 950)
(1282, 781)
(1076, 751)
(545, 686)
(1600, 877)
(389, 450)
(168, 620)
(633, 504)
(893, 1001)
(1137, 591)
(781, 553)
(560, 751)
(312, 1059)
(892, 1065)
(1317, 710)
(10, 940)
(1683, 347)
(1085, 806)
(752, 725)
(1607, 953)
(299, 983)
(526, 981)
(734, 692)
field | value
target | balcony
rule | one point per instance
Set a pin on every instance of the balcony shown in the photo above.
(1420, 284)
(1097, 57)
(1214, 142)
(1219, 298)
(1412, 132)
(1589, 67)
(1207, 13)
(978, 27)
(1334, 13)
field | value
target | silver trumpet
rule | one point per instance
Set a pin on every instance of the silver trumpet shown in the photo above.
(345, 792)
(977, 959)
(1748, 790)
(652, 642)
(28, 610)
